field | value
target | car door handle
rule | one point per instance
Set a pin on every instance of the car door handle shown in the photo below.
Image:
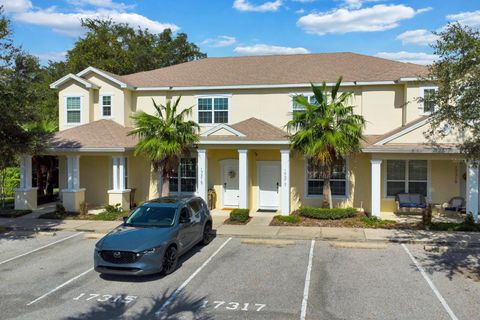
(278, 186)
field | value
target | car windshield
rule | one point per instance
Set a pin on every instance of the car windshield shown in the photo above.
(146, 216)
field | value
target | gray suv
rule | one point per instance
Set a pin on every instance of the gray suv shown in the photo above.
(153, 236)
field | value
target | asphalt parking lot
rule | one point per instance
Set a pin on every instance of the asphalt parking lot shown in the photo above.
(50, 276)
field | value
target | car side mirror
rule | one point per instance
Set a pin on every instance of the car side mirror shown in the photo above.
(125, 219)
(184, 220)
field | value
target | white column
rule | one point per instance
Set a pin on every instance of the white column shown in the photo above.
(202, 174)
(121, 173)
(472, 189)
(73, 172)
(285, 182)
(376, 192)
(25, 172)
(115, 173)
(243, 178)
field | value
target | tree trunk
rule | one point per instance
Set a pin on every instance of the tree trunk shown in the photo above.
(165, 183)
(327, 191)
(39, 174)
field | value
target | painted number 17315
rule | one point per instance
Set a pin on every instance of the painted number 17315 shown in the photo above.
(233, 305)
(105, 298)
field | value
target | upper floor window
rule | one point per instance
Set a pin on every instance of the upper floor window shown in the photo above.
(213, 109)
(298, 107)
(338, 179)
(406, 176)
(73, 109)
(428, 95)
(106, 106)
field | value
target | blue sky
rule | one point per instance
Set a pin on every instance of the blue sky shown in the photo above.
(399, 29)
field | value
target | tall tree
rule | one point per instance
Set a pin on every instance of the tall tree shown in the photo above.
(326, 131)
(165, 137)
(18, 97)
(457, 72)
(121, 49)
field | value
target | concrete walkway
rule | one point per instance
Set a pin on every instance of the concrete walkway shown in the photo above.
(258, 228)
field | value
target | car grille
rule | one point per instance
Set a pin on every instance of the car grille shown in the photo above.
(120, 257)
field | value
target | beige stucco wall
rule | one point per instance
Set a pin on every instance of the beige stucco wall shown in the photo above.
(418, 136)
(94, 176)
(72, 88)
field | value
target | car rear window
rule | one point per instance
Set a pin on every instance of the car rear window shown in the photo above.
(152, 216)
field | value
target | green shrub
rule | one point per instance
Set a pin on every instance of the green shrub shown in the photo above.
(288, 219)
(327, 214)
(239, 215)
(113, 209)
(11, 180)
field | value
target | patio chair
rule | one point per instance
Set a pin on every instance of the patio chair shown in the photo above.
(456, 204)
(410, 202)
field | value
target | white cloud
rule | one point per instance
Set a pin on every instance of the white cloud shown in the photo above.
(304, 1)
(412, 57)
(220, 41)
(107, 4)
(377, 18)
(13, 6)
(69, 23)
(356, 4)
(420, 37)
(468, 18)
(264, 49)
(51, 56)
(300, 11)
(245, 5)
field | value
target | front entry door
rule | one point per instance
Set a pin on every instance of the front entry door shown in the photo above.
(230, 184)
(268, 185)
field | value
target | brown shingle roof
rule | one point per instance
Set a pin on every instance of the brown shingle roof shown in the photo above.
(275, 69)
(254, 130)
(97, 135)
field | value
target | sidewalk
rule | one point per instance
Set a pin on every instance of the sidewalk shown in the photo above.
(258, 228)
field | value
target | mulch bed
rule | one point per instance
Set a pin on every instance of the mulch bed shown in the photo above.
(353, 222)
(228, 221)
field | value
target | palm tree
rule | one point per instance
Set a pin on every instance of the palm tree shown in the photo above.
(326, 131)
(164, 138)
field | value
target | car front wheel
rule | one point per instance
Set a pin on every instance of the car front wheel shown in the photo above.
(170, 260)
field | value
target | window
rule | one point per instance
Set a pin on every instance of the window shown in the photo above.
(186, 181)
(410, 176)
(338, 179)
(428, 95)
(73, 109)
(196, 205)
(213, 109)
(298, 108)
(106, 106)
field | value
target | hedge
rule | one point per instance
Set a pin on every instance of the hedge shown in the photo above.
(326, 213)
(239, 215)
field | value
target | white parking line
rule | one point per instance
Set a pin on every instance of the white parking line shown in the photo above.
(307, 282)
(430, 283)
(186, 282)
(43, 247)
(59, 287)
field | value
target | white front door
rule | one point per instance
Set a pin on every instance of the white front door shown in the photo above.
(268, 185)
(230, 183)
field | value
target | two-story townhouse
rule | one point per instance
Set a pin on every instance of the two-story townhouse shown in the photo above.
(242, 105)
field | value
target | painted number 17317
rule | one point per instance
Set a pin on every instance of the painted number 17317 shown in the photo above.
(233, 305)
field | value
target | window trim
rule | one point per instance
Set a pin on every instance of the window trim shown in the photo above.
(73, 95)
(429, 178)
(213, 96)
(422, 95)
(320, 196)
(100, 103)
(179, 178)
(293, 94)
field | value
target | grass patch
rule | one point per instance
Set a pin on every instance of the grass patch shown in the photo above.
(373, 222)
(326, 213)
(12, 213)
(287, 219)
(238, 216)
(102, 216)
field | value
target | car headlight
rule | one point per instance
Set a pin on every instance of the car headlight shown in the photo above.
(149, 251)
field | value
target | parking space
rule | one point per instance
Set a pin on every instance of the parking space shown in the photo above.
(241, 279)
